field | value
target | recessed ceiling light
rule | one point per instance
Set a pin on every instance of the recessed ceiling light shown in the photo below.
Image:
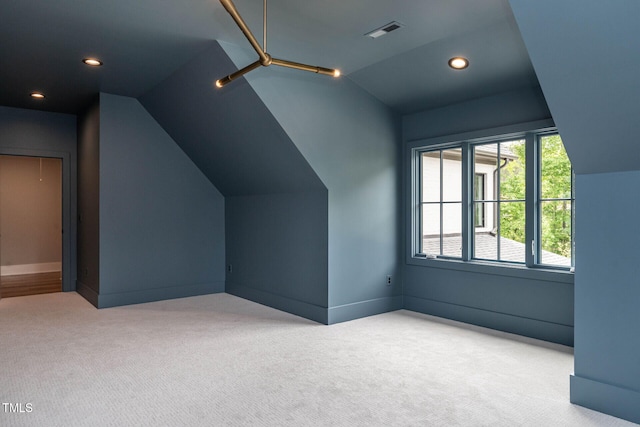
(92, 61)
(458, 63)
(37, 95)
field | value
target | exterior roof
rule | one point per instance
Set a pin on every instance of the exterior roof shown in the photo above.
(492, 149)
(486, 248)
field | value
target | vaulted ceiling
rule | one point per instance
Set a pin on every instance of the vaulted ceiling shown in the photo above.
(142, 42)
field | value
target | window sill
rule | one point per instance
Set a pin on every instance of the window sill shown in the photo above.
(500, 269)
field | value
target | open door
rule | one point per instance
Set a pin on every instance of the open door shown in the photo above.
(30, 225)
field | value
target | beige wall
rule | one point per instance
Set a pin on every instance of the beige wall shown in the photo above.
(30, 211)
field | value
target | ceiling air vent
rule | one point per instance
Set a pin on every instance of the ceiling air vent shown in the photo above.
(385, 29)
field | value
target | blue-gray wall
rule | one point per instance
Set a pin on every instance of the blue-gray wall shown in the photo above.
(532, 303)
(277, 250)
(42, 134)
(276, 206)
(321, 160)
(585, 57)
(161, 221)
(586, 60)
(88, 284)
(607, 347)
(517, 106)
(352, 141)
(229, 134)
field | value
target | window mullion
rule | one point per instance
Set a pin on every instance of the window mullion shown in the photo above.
(441, 201)
(467, 201)
(498, 204)
(421, 204)
(417, 176)
(573, 219)
(532, 191)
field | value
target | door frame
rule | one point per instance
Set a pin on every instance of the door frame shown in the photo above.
(68, 281)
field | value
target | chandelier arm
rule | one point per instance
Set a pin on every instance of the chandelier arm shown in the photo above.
(241, 72)
(265, 58)
(231, 8)
(305, 67)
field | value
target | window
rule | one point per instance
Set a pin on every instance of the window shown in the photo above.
(556, 205)
(505, 200)
(504, 238)
(441, 202)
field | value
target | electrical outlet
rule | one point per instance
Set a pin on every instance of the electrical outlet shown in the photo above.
(230, 268)
(388, 280)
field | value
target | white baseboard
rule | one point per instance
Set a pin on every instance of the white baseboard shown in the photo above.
(45, 267)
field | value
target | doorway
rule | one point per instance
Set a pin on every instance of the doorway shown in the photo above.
(30, 225)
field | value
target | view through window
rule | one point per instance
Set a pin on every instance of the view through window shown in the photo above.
(442, 202)
(504, 165)
(499, 211)
(556, 207)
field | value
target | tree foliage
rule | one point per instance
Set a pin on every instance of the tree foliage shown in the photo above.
(556, 184)
(513, 187)
(555, 177)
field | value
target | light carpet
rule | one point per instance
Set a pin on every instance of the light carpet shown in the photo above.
(218, 360)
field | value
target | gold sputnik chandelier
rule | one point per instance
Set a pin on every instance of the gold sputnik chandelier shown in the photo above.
(264, 58)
